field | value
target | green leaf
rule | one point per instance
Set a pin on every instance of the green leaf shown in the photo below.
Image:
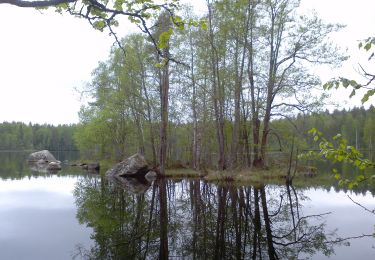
(368, 46)
(368, 94)
(99, 25)
(353, 83)
(360, 178)
(203, 24)
(345, 83)
(312, 131)
(164, 38)
(118, 5)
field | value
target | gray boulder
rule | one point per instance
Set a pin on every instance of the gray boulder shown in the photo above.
(132, 166)
(40, 156)
(43, 161)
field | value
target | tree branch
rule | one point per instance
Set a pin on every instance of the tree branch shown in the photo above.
(371, 211)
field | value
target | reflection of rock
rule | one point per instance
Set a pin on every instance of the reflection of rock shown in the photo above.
(40, 156)
(51, 167)
(133, 184)
(132, 166)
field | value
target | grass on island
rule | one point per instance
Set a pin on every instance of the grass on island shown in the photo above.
(182, 173)
(304, 176)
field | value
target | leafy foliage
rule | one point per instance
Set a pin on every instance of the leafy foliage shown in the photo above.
(366, 45)
(338, 150)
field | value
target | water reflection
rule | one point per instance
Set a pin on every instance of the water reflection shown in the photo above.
(196, 220)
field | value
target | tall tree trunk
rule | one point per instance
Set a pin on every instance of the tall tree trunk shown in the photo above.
(164, 97)
(239, 70)
(149, 119)
(164, 89)
(148, 109)
(196, 134)
(218, 93)
(138, 123)
(237, 112)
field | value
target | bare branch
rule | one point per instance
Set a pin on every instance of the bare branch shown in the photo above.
(370, 77)
(371, 211)
(339, 240)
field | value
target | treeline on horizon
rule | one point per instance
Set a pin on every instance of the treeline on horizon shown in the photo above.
(357, 125)
(20, 136)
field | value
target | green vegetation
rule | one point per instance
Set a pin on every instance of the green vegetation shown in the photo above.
(356, 125)
(20, 136)
(206, 105)
(217, 90)
(338, 149)
(368, 76)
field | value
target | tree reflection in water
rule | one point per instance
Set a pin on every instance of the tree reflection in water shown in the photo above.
(197, 220)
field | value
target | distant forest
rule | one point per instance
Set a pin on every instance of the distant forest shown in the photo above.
(21, 136)
(357, 125)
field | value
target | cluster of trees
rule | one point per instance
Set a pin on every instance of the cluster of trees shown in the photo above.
(21, 136)
(217, 96)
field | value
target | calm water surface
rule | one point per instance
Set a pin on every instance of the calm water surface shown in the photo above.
(78, 215)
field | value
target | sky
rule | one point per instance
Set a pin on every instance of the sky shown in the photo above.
(45, 57)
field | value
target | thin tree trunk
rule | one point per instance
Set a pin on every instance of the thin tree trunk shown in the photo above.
(148, 111)
(196, 134)
(164, 98)
(217, 94)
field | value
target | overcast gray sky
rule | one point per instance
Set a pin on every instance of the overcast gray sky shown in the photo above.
(44, 57)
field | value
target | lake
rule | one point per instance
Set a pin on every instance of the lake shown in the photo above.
(77, 215)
